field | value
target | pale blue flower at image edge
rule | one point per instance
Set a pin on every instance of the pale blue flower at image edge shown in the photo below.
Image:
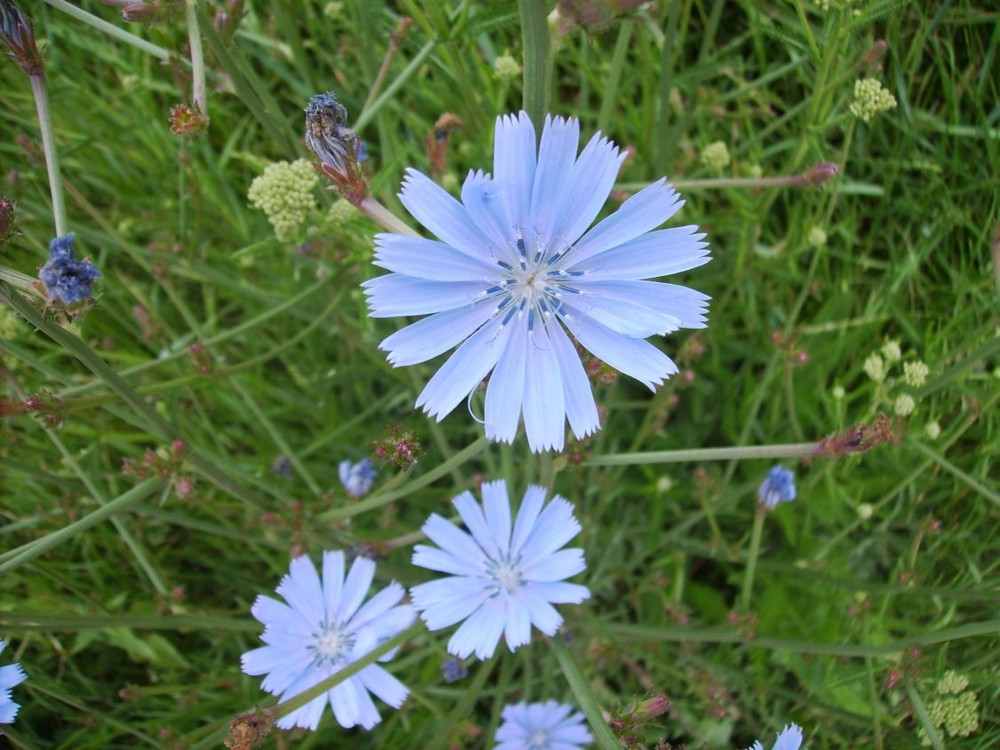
(10, 676)
(503, 579)
(516, 268)
(790, 738)
(541, 726)
(778, 487)
(322, 629)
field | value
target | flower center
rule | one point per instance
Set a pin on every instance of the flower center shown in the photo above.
(332, 646)
(534, 284)
(506, 575)
(539, 739)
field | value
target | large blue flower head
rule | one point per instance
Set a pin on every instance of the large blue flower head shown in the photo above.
(516, 267)
(322, 629)
(541, 726)
(66, 279)
(10, 676)
(505, 575)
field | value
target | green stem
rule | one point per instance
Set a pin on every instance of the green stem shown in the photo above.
(23, 554)
(535, 36)
(197, 57)
(51, 157)
(110, 29)
(609, 98)
(71, 623)
(585, 697)
(384, 217)
(320, 688)
(371, 109)
(751, 568)
(922, 716)
(691, 455)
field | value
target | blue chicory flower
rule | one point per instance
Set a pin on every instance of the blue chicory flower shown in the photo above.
(66, 279)
(516, 268)
(10, 676)
(541, 726)
(322, 629)
(777, 487)
(357, 478)
(790, 738)
(502, 580)
(453, 670)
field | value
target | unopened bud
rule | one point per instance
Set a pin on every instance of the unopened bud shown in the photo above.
(819, 173)
(16, 30)
(337, 146)
(187, 121)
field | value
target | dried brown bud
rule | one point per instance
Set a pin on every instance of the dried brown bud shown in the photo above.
(187, 121)
(247, 730)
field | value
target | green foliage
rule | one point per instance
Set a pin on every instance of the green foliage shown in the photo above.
(260, 358)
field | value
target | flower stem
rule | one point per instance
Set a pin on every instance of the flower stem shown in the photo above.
(383, 216)
(197, 57)
(31, 550)
(788, 450)
(51, 158)
(535, 35)
(751, 569)
(585, 698)
(110, 29)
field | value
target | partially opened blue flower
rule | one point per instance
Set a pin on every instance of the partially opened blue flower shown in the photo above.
(541, 726)
(790, 738)
(504, 577)
(322, 629)
(516, 268)
(357, 478)
(66, 279)
(778, 487)
(10, 676)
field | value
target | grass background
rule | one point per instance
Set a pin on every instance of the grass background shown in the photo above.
(131, 630)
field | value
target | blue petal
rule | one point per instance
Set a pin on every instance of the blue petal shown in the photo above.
(395, 294)
(450, 538)
(429, 259)
(544, 410)
(446, 601)
(478, 526)
(558, 566)
(302, 589)
(527, 515)
(384, 685)
(464, 370)
(496, 507)
(505, 390)
(356, 586)
(559, 592)
(587, 190)
(634, 357)
(686, 305)
(556, 157)
(517, 627)
(645, 210)
(378, 606)
(514, 155)
(789, 739)
(333, 582)
(555, 526)
(480, 632)
(578, 396)
(443, 215)
(652, 254)
(543, 615)
(622, 316)
(345, 703)
(480, 196)
(433, 558)
(436, 334)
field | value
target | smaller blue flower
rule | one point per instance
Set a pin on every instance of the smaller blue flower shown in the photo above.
(453, 670)
(790, 737)
(10, 676)
(357, 478)
(323, 628)
(541, 726)
(66, 279)
(505, 576)
(778, 487)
